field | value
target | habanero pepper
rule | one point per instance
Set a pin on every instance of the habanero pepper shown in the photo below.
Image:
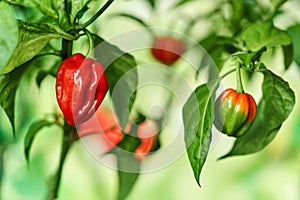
(167, 49)
(81, 86)
(234, 112)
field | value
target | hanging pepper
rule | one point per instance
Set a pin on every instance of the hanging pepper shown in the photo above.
(167, 49)
(234, 112)
(81, 86)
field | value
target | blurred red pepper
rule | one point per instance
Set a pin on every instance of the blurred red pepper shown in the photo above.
(81, 86)
(103, 132)
(167, 49)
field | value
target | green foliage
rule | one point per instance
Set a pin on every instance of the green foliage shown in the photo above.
(121, 74)
(48, 7)
(9, 33)
(32, 132)
(198, 118)
(261, 34)
(33, 38)
(294, 32)
(78, 8)
(9, 84)
(277, 103)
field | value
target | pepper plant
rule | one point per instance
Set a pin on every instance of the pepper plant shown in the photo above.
(38, 40)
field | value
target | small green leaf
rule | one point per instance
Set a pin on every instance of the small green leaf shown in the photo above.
(78, 8)
(260, 34)
(294, 32)
(198, 118)
(249, 59)
(9, 33)
(152, 3)
(128, 166)
(121, 74)
(44, 6)
(32, 132)
(32, 39)
(127, 179)
(9, 84)
(288, 56)
(276, 105)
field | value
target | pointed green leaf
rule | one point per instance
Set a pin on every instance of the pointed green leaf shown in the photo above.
(47, 7)
(9, 33)
(78, 8)
(261, 34)
(288, 53)
(9, 84)
(127, 179)
(276, 105)
(198, 118)
(32, 39)
(32, 132)
(121, 74)
(294, 32)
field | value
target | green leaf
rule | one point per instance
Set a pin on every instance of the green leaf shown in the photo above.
(260, 34)
(121, 74)
(9, 33)
(32, 39)
(47, 7)
(288, 56)
(294, 32)
(127, 179)
(9, 84)
(78, 8)
(152, 3)
(217, 48)
(198, 118)
(128, 166)
(277, 3)
(182, 2)
(277, 103)
(249, 59)
(32, 132)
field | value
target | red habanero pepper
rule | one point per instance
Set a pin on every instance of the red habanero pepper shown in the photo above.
(81, 86)
(167, 49)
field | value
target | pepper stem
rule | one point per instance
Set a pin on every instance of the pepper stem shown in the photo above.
(68, 139)
(91, 41)
(240, 88)
(100, 12)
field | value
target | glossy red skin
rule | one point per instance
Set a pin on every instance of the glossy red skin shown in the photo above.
(81, 86)
(167, 49)
(236, 111)
(104, 126)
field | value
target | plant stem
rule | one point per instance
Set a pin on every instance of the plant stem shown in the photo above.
(239, 82)
(100, 12)
(67, 47)
(68, 139)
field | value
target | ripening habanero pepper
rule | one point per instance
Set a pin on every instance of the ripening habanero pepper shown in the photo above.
(234, 112)
(81, 86)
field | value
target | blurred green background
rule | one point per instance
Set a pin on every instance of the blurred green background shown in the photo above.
(272, 174)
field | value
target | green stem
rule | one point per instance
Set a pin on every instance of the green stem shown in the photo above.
(68, 139)
(239, 82)
(67, 46)
(66, 9)
(91, 41)
(100, 12)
